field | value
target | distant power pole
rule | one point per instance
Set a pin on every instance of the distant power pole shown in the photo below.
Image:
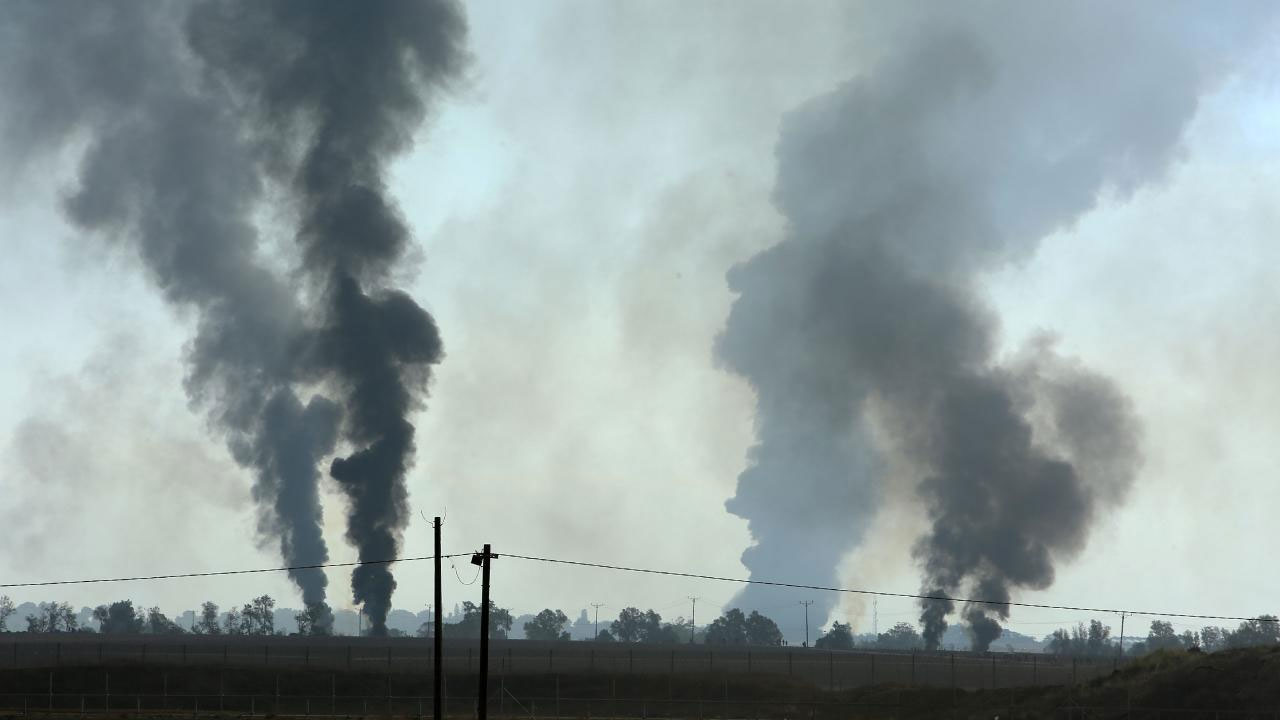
(693, 617)
(806, 604)
(597, 606)
(875, 617)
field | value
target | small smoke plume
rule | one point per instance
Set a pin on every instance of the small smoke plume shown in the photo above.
(980, 131)
(333, 92)
(170, 168)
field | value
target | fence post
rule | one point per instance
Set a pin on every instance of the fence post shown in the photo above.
(388, 657)
(57, 658)
(224, 654)
(557, 697)
(913, 669)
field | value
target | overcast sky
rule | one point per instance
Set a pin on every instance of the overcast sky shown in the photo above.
(577, 204)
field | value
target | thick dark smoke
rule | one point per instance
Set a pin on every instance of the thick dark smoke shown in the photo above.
(170, 169)
(335, 91)
(981, 131)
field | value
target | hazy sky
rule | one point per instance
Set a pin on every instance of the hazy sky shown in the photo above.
(576, 205)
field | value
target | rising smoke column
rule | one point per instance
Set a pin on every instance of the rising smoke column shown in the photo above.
(165, 170)
(979, 131)
(335, 91)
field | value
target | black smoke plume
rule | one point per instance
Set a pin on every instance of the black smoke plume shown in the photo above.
(334, 91)
(979, 131)
(171, 169)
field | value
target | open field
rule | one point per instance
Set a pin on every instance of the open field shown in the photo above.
(830, 670)
(1234, 684)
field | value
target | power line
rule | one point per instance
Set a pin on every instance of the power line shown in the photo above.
(219, 573)
(880, 593)
(648, 571)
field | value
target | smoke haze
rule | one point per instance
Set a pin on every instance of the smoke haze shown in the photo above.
(973, 137)
(169, 168)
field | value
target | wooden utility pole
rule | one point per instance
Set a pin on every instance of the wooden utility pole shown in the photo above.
(437, 700)
(806, 604)
(482, 699)
(693, 619)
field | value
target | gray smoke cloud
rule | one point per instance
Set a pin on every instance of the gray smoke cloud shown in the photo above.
(167, 168)
(332, 92)
(980, 130)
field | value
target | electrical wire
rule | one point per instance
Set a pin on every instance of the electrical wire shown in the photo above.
(651, 571)
(220, 573)
(880, 593)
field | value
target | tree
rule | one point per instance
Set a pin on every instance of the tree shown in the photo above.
(1211, 638)
(53, 617)
(499, 622)
(1189, 639)
(119, 617)
(208, 622)
(6, 611)
(258, 616)
(159, 624)
(1162, 636)
(606, 636)
(547, 625)
(1058, 643)
(233, 624)
(728, 629)
(1263, 631)
(762, 630)
(839, 637)
(902, 636)
(634, 626)
(1098, 640)
(1094, 639)
(315, 620)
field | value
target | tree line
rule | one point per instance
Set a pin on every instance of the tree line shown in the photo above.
(256, 617)
(1095, 638)
(631, 626)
